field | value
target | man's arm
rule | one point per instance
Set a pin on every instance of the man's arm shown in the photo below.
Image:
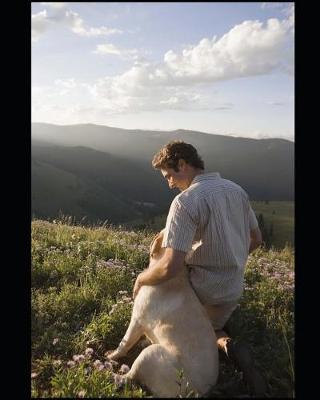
(255, 239)
(168, 266)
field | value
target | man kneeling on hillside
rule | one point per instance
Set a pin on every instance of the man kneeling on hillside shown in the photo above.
(211, 228)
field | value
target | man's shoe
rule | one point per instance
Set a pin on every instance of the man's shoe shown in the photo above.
(242, 357)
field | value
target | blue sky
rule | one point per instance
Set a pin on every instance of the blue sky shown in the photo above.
(223, 68)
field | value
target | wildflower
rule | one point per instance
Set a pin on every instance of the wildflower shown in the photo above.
(34, 375)
(88, 352)
(78, 357)
(57, 363)
(108, 366)
(55, 341)
(73, 236)
(124, 369)
(113, 308)
(123, 292)
(98, 365)
(71, 364)
(82, 393)
(291, 275)
(118, 379)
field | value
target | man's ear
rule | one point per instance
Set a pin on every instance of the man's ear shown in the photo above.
(181, 164)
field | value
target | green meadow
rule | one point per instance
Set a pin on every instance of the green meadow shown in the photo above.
(279, 215)
(82, 281)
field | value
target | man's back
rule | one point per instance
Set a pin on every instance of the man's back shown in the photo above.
(217, 214)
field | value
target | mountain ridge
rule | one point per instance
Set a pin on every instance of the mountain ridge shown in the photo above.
(180, 130)
(119, 162)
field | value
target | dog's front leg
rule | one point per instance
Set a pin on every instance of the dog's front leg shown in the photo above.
(133, 334)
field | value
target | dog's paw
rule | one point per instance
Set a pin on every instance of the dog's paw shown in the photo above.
(112, 355)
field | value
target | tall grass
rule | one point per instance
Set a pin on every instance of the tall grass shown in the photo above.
(82, 281)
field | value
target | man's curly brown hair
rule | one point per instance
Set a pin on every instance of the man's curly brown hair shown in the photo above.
(171, 153)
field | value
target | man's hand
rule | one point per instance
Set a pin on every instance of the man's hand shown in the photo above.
(166, 268)
(137, 286)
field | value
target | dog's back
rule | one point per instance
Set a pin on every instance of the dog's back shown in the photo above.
(172, 317)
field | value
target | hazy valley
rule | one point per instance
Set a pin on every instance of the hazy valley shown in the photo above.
(98, 173)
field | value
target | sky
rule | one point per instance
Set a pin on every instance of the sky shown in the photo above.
(221, 68)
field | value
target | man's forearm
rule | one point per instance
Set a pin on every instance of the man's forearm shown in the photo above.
(157, 274)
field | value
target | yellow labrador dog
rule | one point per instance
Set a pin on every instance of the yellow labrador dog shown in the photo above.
(171, 316)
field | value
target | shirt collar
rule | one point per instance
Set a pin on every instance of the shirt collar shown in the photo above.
(203, 177)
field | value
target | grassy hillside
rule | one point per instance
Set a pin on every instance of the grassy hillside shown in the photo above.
(279, 215)
(82, 280)
(263, 167)
(81, 181)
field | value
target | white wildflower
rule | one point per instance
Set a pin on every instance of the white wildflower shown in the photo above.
(88, 351)
(71, 364)
(82, 393)
(57, 363)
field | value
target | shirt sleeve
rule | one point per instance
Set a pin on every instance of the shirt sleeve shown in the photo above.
(253, 223)
(180, 228)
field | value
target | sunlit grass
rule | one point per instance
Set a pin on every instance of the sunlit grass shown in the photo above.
(82, 281)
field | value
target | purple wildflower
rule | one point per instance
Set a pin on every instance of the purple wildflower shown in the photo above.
(124, 369)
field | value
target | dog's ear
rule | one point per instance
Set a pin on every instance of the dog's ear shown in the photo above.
(156, 243)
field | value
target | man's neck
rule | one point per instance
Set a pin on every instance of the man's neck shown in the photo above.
(195, 173)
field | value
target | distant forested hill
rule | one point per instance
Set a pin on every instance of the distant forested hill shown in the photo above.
(106, 173)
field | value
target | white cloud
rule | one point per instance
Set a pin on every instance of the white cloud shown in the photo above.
(67, 83)
(247, 49)
(182, 80)
(68, 18)
(109, 48)
(77, 26)
(68, 99)
(39, 25)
